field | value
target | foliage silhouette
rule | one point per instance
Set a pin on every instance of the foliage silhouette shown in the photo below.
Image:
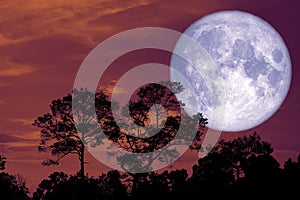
(60, 137)
(214, 176)
(112, 185)
(155, 187)
(2, 162)
(58, 132)
(12, 187)
(291, 177)
(228, 162)
(61, 186)
(179, 185)
(244, 165)
(139, 136)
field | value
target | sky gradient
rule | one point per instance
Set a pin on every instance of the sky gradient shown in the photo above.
(43, 43)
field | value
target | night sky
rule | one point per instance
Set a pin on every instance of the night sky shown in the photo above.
(43, 43)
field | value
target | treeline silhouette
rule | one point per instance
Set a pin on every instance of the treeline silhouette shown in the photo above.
(240, 168)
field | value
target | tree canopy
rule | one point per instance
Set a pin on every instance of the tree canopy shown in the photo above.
(2, 162)
(12, 187)
(61, 136)
(58, 131)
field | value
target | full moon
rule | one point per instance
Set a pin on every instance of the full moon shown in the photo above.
(251, 65)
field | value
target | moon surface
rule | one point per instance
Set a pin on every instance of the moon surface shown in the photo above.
(251, 66)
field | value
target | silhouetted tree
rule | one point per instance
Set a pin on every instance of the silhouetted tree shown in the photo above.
(150, 103)
(263, 177)
(49, 186)
(151, 185)
(239, 150)
(13, 187)
(165, 185)
(112, 186)
(291, 180)
(154, 102)
(2, 162)
(228, 161)
(60, 137)
(292, 168)
(211, 176)
(232, 168)
(60, 186)
(214, 176)
(261, 166)
(160, 98)
(58, 132)
(178, 184)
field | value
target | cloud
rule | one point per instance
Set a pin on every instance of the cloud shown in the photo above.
(4, 138)
(15, 72)
(20, 144)
(28, 136)
(23, 121)
(10, 68)
(43, 52)
(19, 137)
(21, 160)
(25, 141)
(111, 88)
(4, 40)
(158, 13)
(28, 20)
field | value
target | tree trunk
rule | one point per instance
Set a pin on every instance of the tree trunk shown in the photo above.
(81, 159)
(238, 173)
(157, 118)
(135, 181)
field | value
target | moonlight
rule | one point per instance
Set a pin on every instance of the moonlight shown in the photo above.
(251, 65)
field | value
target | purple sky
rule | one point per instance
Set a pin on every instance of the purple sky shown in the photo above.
(42, 45)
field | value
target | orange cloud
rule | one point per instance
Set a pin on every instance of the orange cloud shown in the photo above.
(20, 141)
(34, 19)
(4, 40)
(9, 68)
(115, 90)
(35, 135)
(23, 121)
(20, 144)
(111, 88)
